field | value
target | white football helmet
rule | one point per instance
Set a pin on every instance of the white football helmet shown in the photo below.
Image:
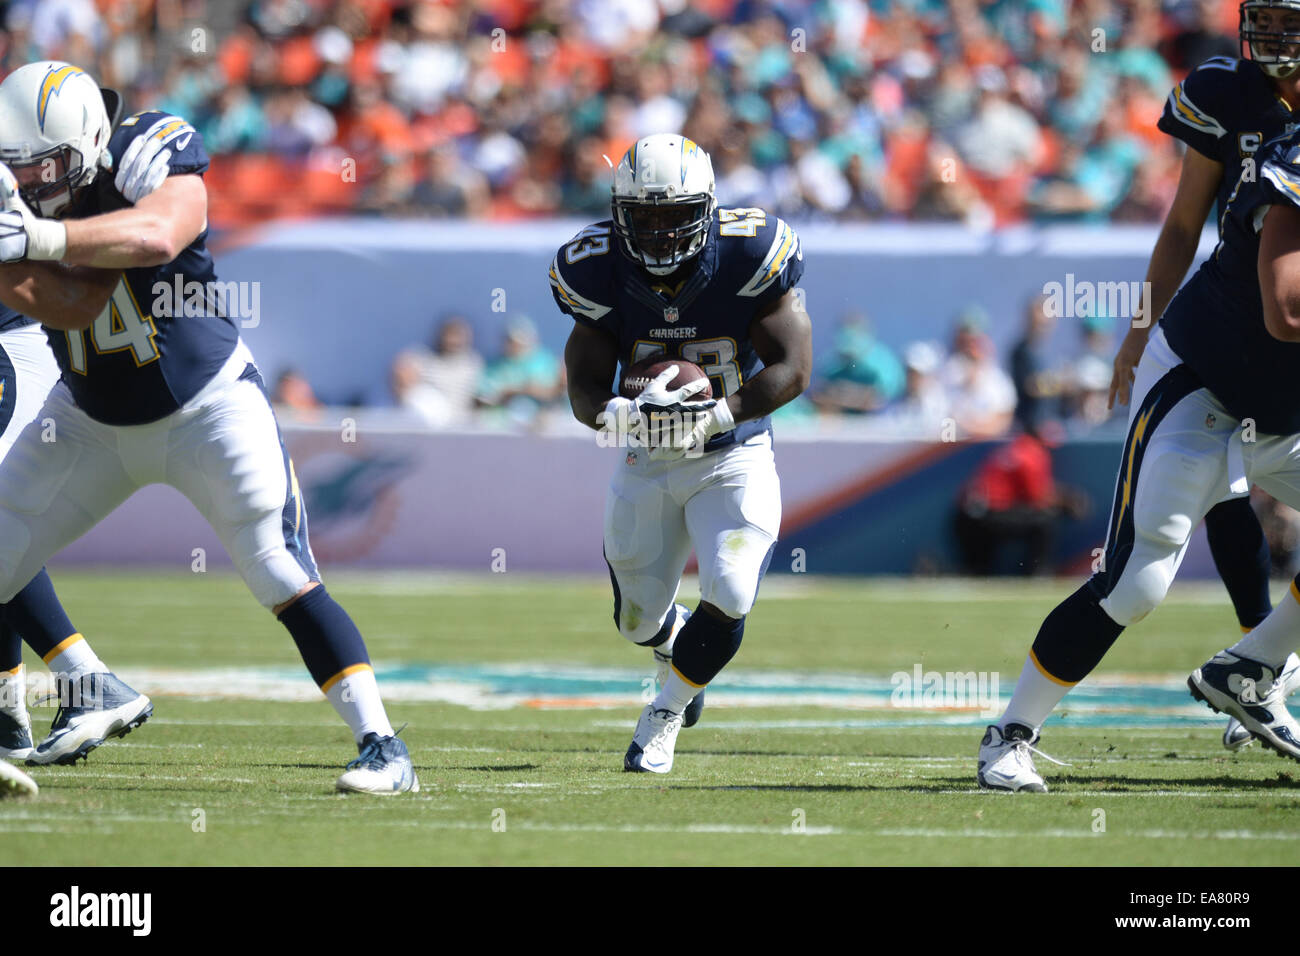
(663, 201)
(54, 131)
(1270, 29)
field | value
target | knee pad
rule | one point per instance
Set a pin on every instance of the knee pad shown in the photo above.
(731, 594)
(642, 629)
(733, 589)
(1142, 585)
(643, 606)
(274, 576)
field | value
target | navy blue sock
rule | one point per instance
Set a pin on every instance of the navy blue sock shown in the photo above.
(11, 648)
(704, 646)
(1240, 553)
(326, 637)
(36, 614)
(1075, 637)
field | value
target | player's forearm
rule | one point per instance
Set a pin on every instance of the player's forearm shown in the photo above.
(588, 402)
(126, 239)
(61, 297)
(774, 386)
(1175, 249)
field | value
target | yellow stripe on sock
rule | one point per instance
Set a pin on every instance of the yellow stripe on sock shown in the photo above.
(62, 646)
(1044, 671)
(13, 671)
(347, 671)
(685, 678)
(1294, 593)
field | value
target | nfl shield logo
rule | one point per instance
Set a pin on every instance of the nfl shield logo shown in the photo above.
(670, 314)
(1210, 420)
(631, 458)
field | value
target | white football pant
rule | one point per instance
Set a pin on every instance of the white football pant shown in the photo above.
(725, 504)
(1183, 455)
(34, 373)
(222, 450)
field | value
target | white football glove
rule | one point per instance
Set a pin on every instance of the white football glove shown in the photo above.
(145, 166)
(711, 418)
(8, 188)
(621, 419)
(22, 234)
(628, 418)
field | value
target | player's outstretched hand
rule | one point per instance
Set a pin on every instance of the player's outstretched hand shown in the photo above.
(145, 166)
(1126, 360)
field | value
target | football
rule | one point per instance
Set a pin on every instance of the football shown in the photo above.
(640, 374)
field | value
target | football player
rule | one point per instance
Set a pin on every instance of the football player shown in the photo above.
(1216, 409)
(27, 373)
(151, 390)
(672, 274)
(1224, 111)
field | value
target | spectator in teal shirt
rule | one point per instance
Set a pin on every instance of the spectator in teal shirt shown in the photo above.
(525, 378)
(863, 374)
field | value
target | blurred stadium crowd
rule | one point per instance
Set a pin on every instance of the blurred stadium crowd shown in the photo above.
(967, 110)
(986, 112)
(928, 390)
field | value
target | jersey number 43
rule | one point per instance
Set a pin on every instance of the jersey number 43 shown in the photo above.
(716, 356)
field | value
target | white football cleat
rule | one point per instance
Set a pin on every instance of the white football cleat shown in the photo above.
(652, 745)
(93, 709)
(15, 783)
(1006, 760)
(1253, 693)
(1235, 736)
(15, 734)
(383, 767)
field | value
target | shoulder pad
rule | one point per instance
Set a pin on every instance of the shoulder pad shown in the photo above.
(578, 281)
(1213, 90)
(772, 255)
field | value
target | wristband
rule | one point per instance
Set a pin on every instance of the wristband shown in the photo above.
(722, 415)
(47, 239)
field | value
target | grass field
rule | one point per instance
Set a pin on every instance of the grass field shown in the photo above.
(520, 700)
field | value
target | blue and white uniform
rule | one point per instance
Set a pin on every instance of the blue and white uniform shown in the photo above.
(726, 503)
(1215, 408)
(1226, 109)
(140, 360)
(159, 389)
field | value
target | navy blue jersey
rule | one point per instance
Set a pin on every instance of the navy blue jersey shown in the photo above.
(1226, 109)
(1216, 321)
(163, 334)
(749, 261)
(9, 319)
